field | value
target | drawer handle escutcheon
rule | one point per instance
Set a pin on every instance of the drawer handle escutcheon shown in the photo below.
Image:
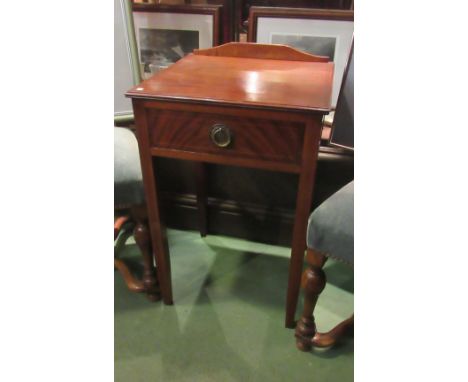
(221, 135)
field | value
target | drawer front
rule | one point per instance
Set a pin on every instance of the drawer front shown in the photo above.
(226, 135)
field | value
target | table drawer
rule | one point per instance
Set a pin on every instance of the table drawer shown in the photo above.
(226, 135)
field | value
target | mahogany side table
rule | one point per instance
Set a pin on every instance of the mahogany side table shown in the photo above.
(239, 104)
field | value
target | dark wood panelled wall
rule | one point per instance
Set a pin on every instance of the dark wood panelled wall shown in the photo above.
(253, 204)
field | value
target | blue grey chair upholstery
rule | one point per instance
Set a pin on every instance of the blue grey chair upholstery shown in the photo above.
(331, 226)
(330, 233)
(129, 202)
(128, 181)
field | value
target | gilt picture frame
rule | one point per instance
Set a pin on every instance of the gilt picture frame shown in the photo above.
(322, 32)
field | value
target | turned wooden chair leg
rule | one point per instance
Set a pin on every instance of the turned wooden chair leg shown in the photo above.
(143, 240)
(118, 224)
(322, 340)
(132, 283)
(313, 283)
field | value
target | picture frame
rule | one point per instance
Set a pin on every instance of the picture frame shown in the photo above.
(243, 7)
(342, 131)
(126, 67)
(165, 33)
(323, 32)
(226, 18)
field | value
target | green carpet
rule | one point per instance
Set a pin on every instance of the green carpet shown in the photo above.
(226, 323)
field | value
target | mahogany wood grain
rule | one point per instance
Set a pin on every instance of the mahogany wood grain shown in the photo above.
(156, 221)
(261, 51)
(262, 83)
(256, 138)
(118, 223)
(330, 338)
(226, 160)
(231, 110)
(315, 259)
(313, 283)
(149, 283)
(303, 206)
(143, 241)
(275, 108)
(133, 284)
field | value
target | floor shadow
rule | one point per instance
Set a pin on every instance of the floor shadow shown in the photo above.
(254, 277)
(262, 278)
(340, 275)
(204, 334)
(226, 324)
(182, 344)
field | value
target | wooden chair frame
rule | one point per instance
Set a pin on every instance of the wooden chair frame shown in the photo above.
(149, 283)
(313, 283)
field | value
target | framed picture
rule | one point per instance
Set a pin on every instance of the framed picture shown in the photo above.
(166, 33)
(126, 67)
(243, 6)
(227, 17)
(342, 132)
(322, 32)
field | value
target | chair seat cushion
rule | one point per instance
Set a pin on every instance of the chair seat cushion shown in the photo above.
(331, 226)
(128, 181)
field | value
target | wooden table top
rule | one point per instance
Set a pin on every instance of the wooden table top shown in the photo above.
(248, 82)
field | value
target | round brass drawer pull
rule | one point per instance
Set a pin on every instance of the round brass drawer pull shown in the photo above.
(221, 135)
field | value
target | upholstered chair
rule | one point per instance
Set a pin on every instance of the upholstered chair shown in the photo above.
(130, 210)
(330, 233)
